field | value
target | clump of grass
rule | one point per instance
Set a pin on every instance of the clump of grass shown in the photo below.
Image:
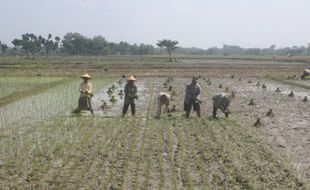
(305, 99)
(250, 81)
(121, 93)
(232, 94)
(220, 86)
(257, 123)
(278, 90)
(104, 105)
(264, 86)
(166, 84)
(270, 113)
(232, 76)
(252, 103)
(240, 79)
(120, 82)
(110, 91)
(258, 83)
(113, 99)
(291, 94)
(170, 88)
(113, 87)
(173, 109)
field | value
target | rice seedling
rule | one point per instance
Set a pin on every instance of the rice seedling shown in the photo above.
(305, 99)
(291, 94)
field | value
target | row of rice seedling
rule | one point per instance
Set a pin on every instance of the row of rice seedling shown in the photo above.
(117, 158)
(12, 85)
(30, 142)
(56, 101)
(197, 161)
(243, 156)
(160, 159)
(182, 160)
(174, 174)
(148, 157)
(141, 153)
(137, 128)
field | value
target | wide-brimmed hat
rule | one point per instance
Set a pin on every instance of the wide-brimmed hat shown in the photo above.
(86, 75)
(131, 78)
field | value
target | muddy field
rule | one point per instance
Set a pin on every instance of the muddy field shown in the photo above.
(44, 146)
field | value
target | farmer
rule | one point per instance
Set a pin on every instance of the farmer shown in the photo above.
(192, 97)
(130, 96)
(306, 74)
(221, 101)
(84, 102)
(163, 99)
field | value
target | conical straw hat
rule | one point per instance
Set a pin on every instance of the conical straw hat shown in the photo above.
(131, 78)
(86, 76)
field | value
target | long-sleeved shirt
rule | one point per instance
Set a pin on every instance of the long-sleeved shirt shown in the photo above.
(130, 92)
(221, 101)
(192, 92)
(85, 88)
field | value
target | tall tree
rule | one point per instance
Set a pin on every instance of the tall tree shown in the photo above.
(48, 44)
(75, 44)
(29, 43)
(3, 47)
(170, 46)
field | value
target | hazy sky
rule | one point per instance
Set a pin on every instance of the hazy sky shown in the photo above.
(194, 23)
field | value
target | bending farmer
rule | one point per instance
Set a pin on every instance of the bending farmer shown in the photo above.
(221, 101)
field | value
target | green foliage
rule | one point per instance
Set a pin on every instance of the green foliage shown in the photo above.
(170, 46)
(49, 45)
(29, 43)
(77, 44)
(3, 47)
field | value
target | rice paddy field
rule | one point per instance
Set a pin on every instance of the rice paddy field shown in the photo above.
(44, 146)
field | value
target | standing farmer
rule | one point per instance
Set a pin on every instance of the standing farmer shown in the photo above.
(84, 102)
(221, 101)
(130, 96)
(192, 97)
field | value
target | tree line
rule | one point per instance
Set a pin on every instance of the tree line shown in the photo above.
(76, 44)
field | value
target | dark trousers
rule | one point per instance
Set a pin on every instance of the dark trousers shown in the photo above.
(84, 103)
(188, 108)
(214, 112)
(132, 106)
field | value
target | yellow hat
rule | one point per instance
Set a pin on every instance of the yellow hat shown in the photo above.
(86, 75)
(131, 78)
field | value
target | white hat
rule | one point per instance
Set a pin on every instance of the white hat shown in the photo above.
(86, 75)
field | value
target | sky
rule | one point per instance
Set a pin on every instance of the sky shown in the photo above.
(194, 23)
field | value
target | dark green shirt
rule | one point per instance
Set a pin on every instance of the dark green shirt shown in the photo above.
(130, 93)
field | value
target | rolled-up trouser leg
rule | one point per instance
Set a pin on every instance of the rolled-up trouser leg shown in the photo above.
(125, 108)
(196, 107)
(187, 108)
(133, 108)
(198, 113)
(89, 106)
